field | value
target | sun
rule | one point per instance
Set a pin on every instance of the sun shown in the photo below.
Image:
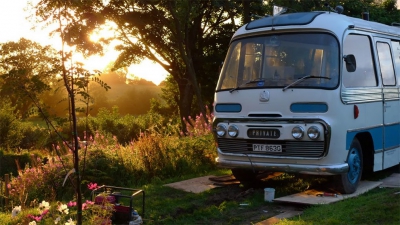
(147, 69)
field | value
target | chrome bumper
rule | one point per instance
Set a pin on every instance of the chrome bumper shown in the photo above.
(292, 168)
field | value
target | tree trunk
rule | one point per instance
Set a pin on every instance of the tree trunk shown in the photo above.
(184, 101)
(246, 11)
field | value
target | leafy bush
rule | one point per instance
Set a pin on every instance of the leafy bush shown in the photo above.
(41, 182)
(10, 127)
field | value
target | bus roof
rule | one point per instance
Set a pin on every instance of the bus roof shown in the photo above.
(338, 23)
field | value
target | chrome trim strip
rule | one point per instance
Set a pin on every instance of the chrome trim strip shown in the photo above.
(391, 148)
(390, 124)
(296, 168)
(266, 156)
(365, 128)
(375, 31)
(391, 93)
(350, 96)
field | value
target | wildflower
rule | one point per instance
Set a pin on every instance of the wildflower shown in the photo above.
(15, 211)
(57, 220)
(92, 186)
(63, 208)
(44, 206)
(35, 218)
(71, 204)
(32, 223)
(70, 222)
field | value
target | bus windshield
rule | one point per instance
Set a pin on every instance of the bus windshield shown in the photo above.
(279, 60)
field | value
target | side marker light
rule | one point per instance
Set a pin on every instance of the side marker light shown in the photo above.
(356, 111)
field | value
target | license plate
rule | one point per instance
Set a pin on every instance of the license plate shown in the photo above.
(267, 148)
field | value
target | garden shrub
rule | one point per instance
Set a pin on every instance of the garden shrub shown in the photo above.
(10, 127)
(9, 162)
(44, 181)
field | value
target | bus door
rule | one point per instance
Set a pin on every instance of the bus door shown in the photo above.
(390, 103)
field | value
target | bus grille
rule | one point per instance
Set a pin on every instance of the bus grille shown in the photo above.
(309, 149)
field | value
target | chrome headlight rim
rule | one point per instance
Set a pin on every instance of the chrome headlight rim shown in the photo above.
(298, 132)
(313, 132)
(233, 131)
(220, 130)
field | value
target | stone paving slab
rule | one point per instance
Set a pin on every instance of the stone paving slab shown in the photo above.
(195, 185)
(310, 197)
(392, 181)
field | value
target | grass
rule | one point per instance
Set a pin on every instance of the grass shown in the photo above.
(378, 206)
(165, 205)
(238, 204)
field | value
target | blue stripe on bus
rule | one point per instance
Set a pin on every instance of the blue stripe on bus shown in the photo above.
(309, 107)
(391, 136)
(228, 108)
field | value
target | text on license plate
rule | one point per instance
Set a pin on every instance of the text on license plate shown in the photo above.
(267, 148)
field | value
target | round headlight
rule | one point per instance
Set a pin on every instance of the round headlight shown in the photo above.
(313, 132)
(298, 132)
(233, 131)
(221, 130)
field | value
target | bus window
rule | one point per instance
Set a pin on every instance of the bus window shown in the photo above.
(396, 56)
(364, 76)
(386, 63)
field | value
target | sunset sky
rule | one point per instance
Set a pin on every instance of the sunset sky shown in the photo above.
(13, 26)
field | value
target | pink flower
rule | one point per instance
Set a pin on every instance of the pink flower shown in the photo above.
(92, 186)
(71, 204)
(36, 218)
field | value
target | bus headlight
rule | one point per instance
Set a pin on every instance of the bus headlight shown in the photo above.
(313, 132)
(233, 131)
(220, 130)
(298, 132)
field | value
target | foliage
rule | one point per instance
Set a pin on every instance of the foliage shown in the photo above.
(60, 213)
(11, 129)
(26, 70)
(42, 181)
(11, 162)
(189, 42)
(380, 11)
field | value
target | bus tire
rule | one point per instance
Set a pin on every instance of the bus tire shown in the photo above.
(349, 181)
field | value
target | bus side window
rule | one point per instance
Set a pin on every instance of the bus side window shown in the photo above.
(386, 63)
(364, 76)
(396, 56)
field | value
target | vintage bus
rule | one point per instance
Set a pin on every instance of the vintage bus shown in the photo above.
(310, 92)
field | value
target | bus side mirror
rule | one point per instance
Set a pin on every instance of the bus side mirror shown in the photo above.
(351, 64)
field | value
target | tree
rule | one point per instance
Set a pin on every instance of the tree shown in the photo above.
(383, 11)
(187, 38)
(26, 70)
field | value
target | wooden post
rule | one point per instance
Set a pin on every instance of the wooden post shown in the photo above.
(6, 193)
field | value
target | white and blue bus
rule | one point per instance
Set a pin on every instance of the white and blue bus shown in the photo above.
(310, 92)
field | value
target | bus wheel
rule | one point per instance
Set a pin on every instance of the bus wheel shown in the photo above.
(349, 181)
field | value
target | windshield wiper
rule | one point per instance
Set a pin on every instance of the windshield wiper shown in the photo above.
(304, 78)
(248, 82)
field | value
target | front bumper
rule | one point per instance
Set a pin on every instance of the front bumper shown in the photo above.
(280, 167)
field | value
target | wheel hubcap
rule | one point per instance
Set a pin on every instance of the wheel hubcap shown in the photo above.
(354, 166)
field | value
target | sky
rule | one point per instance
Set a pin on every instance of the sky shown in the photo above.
(14, 25)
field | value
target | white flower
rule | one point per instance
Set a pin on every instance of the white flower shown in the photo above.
(57, 220)
(70, 222)
(15, 211)
(32, 223)
(44, 206)
(63, 208)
